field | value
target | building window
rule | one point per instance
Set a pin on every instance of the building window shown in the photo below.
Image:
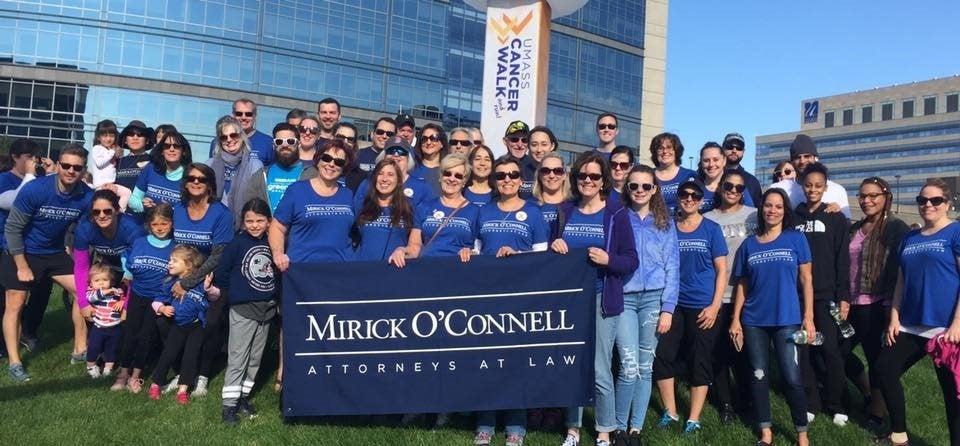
(929, 105)
(953, 102)
(866, 114)
(907, 109)
(848, 116)
(886, 111)
(828, 119)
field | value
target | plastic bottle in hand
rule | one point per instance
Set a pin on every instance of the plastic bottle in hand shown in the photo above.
(846, 330)
(800, 338)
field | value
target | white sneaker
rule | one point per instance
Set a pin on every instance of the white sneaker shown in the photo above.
(93, 371)
(840, 419)
(810, 417)
(173, 385)
(571, 440)
(201, 389)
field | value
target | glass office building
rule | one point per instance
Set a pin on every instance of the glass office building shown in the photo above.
(905, 134)
(67, 64)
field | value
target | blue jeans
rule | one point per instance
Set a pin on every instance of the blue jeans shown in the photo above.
(757, 342)
(606, 332)
(515, 421)
(636, 345)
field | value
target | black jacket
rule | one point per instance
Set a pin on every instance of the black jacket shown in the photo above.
(828, 235)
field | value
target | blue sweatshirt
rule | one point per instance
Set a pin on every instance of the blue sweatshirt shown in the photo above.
(246, 272)
(190, 309)
(659, 253)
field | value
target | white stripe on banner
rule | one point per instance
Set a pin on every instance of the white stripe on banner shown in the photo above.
(431, 350)
(430, 299)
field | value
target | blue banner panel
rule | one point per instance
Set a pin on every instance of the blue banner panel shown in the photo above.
(439, 335)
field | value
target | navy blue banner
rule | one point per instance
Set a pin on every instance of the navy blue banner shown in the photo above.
(439, 335)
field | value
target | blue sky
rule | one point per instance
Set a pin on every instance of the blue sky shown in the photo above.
(746, 65)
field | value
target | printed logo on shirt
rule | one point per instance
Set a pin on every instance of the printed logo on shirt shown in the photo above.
(549, 216)
(812, 226)
(383, 221)
(694, 245)
(108, 250)
(739, 230)
(280, 185)
(431, 224)
(928, 246)
(771, 255)
(162, 193)
(505, 226)
(149, 262)
(195, 238)
(583, 230)
(326, 210)
(58, 213)
(257, 268)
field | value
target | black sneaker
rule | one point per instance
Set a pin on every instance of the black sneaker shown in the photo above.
(727, 414)
(230, 417)
(245, 408)
(30, 343)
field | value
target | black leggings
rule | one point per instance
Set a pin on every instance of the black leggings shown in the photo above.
(726, 356)
(830, 362)
(869, 323)
(182, 338)
(893, 362)
(139, 331)
(213, 336)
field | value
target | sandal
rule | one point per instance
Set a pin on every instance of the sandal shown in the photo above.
(120, 382)
(278, 386)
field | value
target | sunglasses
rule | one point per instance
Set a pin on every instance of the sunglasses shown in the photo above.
(431, 138)
(196, 179)
(310, 130)
(327, 158)
(922, 201)
(397, 151)
(73, 167)
(241, 114)
(382, 132)
(783, 172)
(645, 186)
(501, 176)
(582, 176)
(730, 187)
(461, 142)
(456, 175)
(290, 142)
(873, 196)
(136, 134)
(622, 166)
(555, 170)
(734, 147)
(685, 194)
(224, 137)
(351, 139)
(171, 145)
(606, 126)
(105, 212)
(516, 139)
(477, 142)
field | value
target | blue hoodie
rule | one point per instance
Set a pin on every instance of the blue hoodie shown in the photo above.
(190, 309)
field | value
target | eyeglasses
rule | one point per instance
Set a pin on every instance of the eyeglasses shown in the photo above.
(516, 139)
(933, 201)
(555, 170)
(106, 212)
(456, 175)
(871, 197)
(431, 138)
(501, 176)
(666, 149)
(73, 167)
(290, 142)
(606, 126)
(397, 151)
(622, 166)
(171, 145)
(645, 186)
(783, 172)
(196, 179)
(686, 194)
(327, 158)
(382, 132)
(461, 142)
(310, 130)
(241, 114)
(731, 187)
(582, 176)
(351, 139)
(734, 147)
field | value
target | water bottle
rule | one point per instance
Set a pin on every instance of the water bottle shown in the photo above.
(800, 337)
(846, 330)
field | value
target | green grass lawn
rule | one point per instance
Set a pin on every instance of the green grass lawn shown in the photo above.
(62, 405)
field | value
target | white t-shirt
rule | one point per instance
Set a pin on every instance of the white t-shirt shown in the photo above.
(835, 193)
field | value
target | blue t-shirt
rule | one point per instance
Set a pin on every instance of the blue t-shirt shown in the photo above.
(615, 197)
(477, 199)
(707, 204)
(771, 271)
(379, 238)
(148, 265)
(931, 281)
(157, 187)
(414, 188)
(430, 175)
(279, 179)
(669, 188)
(697, 251)
(51, 211)
(8, 181)
(260, 143)
(459, 232)
(215, 228)
(551, 213)
(522, 230)
(585, 231)
(89, 237)
(318, 228)
(129, 169)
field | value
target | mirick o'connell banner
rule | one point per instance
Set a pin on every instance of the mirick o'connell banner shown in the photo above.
(438, 335)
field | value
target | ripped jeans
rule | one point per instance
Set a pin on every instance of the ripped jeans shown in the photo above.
(757, 342)
(636, 345)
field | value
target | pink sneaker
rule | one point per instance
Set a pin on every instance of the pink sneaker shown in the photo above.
(183, 398)
(154, 392)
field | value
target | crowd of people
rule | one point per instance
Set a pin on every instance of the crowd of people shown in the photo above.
(154, 249)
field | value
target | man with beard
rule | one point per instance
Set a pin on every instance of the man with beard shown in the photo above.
(270, 182)
(385, 129)
(803, 154)
(406, 128)
(734, 148)
(517, 140)
(328, 110)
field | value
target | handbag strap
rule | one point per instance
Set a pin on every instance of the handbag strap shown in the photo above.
(444, 223)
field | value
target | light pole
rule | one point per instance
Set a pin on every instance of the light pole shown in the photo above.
(898, 192)
(691, 162)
